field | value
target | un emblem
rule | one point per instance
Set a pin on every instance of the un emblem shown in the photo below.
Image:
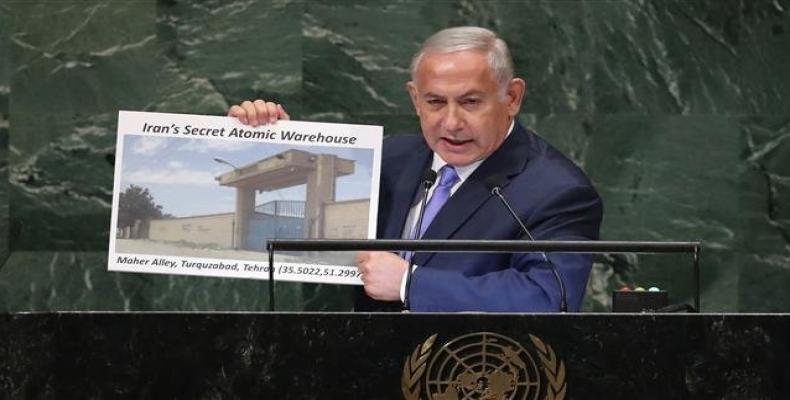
(485, 366)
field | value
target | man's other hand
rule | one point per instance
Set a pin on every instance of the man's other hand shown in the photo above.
(258, 112)
(381, 273)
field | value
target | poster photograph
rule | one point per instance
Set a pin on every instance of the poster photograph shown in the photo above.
(201, 195)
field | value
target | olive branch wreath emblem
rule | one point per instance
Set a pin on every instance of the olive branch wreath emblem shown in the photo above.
(555, 372)
(415, 365)
(414, 368)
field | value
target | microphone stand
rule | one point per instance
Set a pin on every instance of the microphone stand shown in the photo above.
(428, 179)
(496, 191)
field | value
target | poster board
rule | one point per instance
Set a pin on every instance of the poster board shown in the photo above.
(200, 195)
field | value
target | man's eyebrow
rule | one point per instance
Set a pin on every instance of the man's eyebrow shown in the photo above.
(473, 93)
(467, 94)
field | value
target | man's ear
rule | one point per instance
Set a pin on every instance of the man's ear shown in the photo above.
(515, 95)
(414, 95)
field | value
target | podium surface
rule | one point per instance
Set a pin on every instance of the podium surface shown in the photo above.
(394, 356)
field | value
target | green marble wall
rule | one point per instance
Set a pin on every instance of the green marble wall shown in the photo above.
(678, 111)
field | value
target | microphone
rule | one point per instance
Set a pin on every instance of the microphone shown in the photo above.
(494, 184)
(428, 179)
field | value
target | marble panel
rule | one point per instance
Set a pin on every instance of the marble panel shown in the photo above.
(82, 57)
(4, 198)
(553, 49)
(672, 178)
(61, 191)
(355, 61)
(762, 29)
(220, 53)
(5, 94)
(75, 64)
(78, 281)
(691, 57)
(765, 209)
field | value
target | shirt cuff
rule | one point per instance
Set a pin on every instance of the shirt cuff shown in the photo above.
(403, 283)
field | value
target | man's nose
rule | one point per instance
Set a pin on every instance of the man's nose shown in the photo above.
(453, 120)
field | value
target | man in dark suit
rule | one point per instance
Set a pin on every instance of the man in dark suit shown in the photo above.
(467, 99)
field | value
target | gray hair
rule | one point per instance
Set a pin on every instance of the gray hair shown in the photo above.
(462, 38)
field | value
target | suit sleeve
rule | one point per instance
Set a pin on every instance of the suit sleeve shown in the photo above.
(525, 282)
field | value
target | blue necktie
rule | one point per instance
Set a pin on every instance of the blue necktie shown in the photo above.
(440, 195)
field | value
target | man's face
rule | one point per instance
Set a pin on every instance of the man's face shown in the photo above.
(463, 115)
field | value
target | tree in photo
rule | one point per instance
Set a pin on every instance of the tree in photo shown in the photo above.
(136, 203)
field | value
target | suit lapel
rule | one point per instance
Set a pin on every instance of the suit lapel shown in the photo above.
(507, 161)
(405, 190)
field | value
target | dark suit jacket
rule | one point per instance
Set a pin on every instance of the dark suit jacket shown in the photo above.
(553, 197)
